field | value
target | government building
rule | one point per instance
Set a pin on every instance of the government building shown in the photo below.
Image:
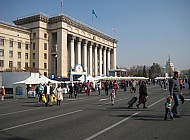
(55, 46)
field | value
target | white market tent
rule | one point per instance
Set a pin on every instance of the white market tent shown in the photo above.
(162, 78)
(124, 78)
(20, 88)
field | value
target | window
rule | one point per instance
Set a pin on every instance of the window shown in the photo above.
(26, 46)
(19, 54)
(1, 52)
(2, 41)
(10, 64)
(45, 65)
(19, 45)
(45, 55)
(45, 35)
(26, 64)
(19, 64)
(10, 54)
(33, 56)
(1, 63)
(10, 43)
(33, 64)
(26, 55)
(45, 46)
(34, 46)
(34, 35)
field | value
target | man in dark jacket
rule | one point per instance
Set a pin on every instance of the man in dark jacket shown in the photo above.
(174, 89)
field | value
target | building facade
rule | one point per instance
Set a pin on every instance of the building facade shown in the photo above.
(57, 44)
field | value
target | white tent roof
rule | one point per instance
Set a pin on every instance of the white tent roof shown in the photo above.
(29, 80)
(90, 78)
(32, 80)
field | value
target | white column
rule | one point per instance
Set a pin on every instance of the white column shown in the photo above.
(79, 51)
(85, 55)
(104, 66)
(90, 59)
(108, 61)
(114, 56)
(100, 61)
(95, 60)
(72, 52)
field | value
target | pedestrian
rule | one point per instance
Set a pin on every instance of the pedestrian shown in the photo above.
(106, 86)
(115, 86)
(133, 86)
(70, 91)
(99, 88)
(48, 91)
(142, 95)
(168, 105)
(2, 93)
(112, 96)
(75, 90)
(58, 94)
(40, 92)
(175, 92)
(88, 88)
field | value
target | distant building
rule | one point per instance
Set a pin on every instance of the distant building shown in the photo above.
(118, 72)
(169, 68)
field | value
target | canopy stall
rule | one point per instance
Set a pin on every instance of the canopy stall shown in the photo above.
(20, 89)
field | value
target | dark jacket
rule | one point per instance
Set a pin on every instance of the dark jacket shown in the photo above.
(174, 86)
(51, 90)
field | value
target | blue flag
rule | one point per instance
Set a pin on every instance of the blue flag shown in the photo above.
(93, 13)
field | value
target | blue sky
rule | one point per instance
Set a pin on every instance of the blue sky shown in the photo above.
(147, 30)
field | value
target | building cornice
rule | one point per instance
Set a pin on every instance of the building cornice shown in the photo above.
(81, 26)
(14, 27)
(62, 18)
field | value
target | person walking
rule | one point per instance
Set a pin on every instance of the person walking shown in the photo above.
(48, 91)
(106, 86)
(175, 92)
(142, 94)
(40, 92)
(168, 105)
(89, 88)
(115, 86)
(2, 93)
(112, 96)
(58, 94)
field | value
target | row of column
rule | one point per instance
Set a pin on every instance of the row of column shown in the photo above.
(89, 52)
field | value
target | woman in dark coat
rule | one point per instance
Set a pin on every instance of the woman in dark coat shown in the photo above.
(142, 94)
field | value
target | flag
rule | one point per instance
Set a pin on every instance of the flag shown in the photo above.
(113, 30)
(93, 13)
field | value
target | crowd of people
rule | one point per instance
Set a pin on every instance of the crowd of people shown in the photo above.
(48, 94)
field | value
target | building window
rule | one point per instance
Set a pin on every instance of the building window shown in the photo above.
(26, 46)
(19, 54)
(45, 55)
(33, 64)
(45, 35)
(26, 64)
(45, 46)
(10, 64)
(10, 54)
(34, 35)
(19, 65)
(10, 43)
(1, 63)
(26, 55)
(34, 46)
(33, 56)
(1, 52)
(45, 65)
(19, 45)
(2, 41)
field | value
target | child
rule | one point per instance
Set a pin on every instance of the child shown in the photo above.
(112, 96)
(168, 108)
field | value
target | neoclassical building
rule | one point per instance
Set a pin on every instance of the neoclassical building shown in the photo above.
(55, 45)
